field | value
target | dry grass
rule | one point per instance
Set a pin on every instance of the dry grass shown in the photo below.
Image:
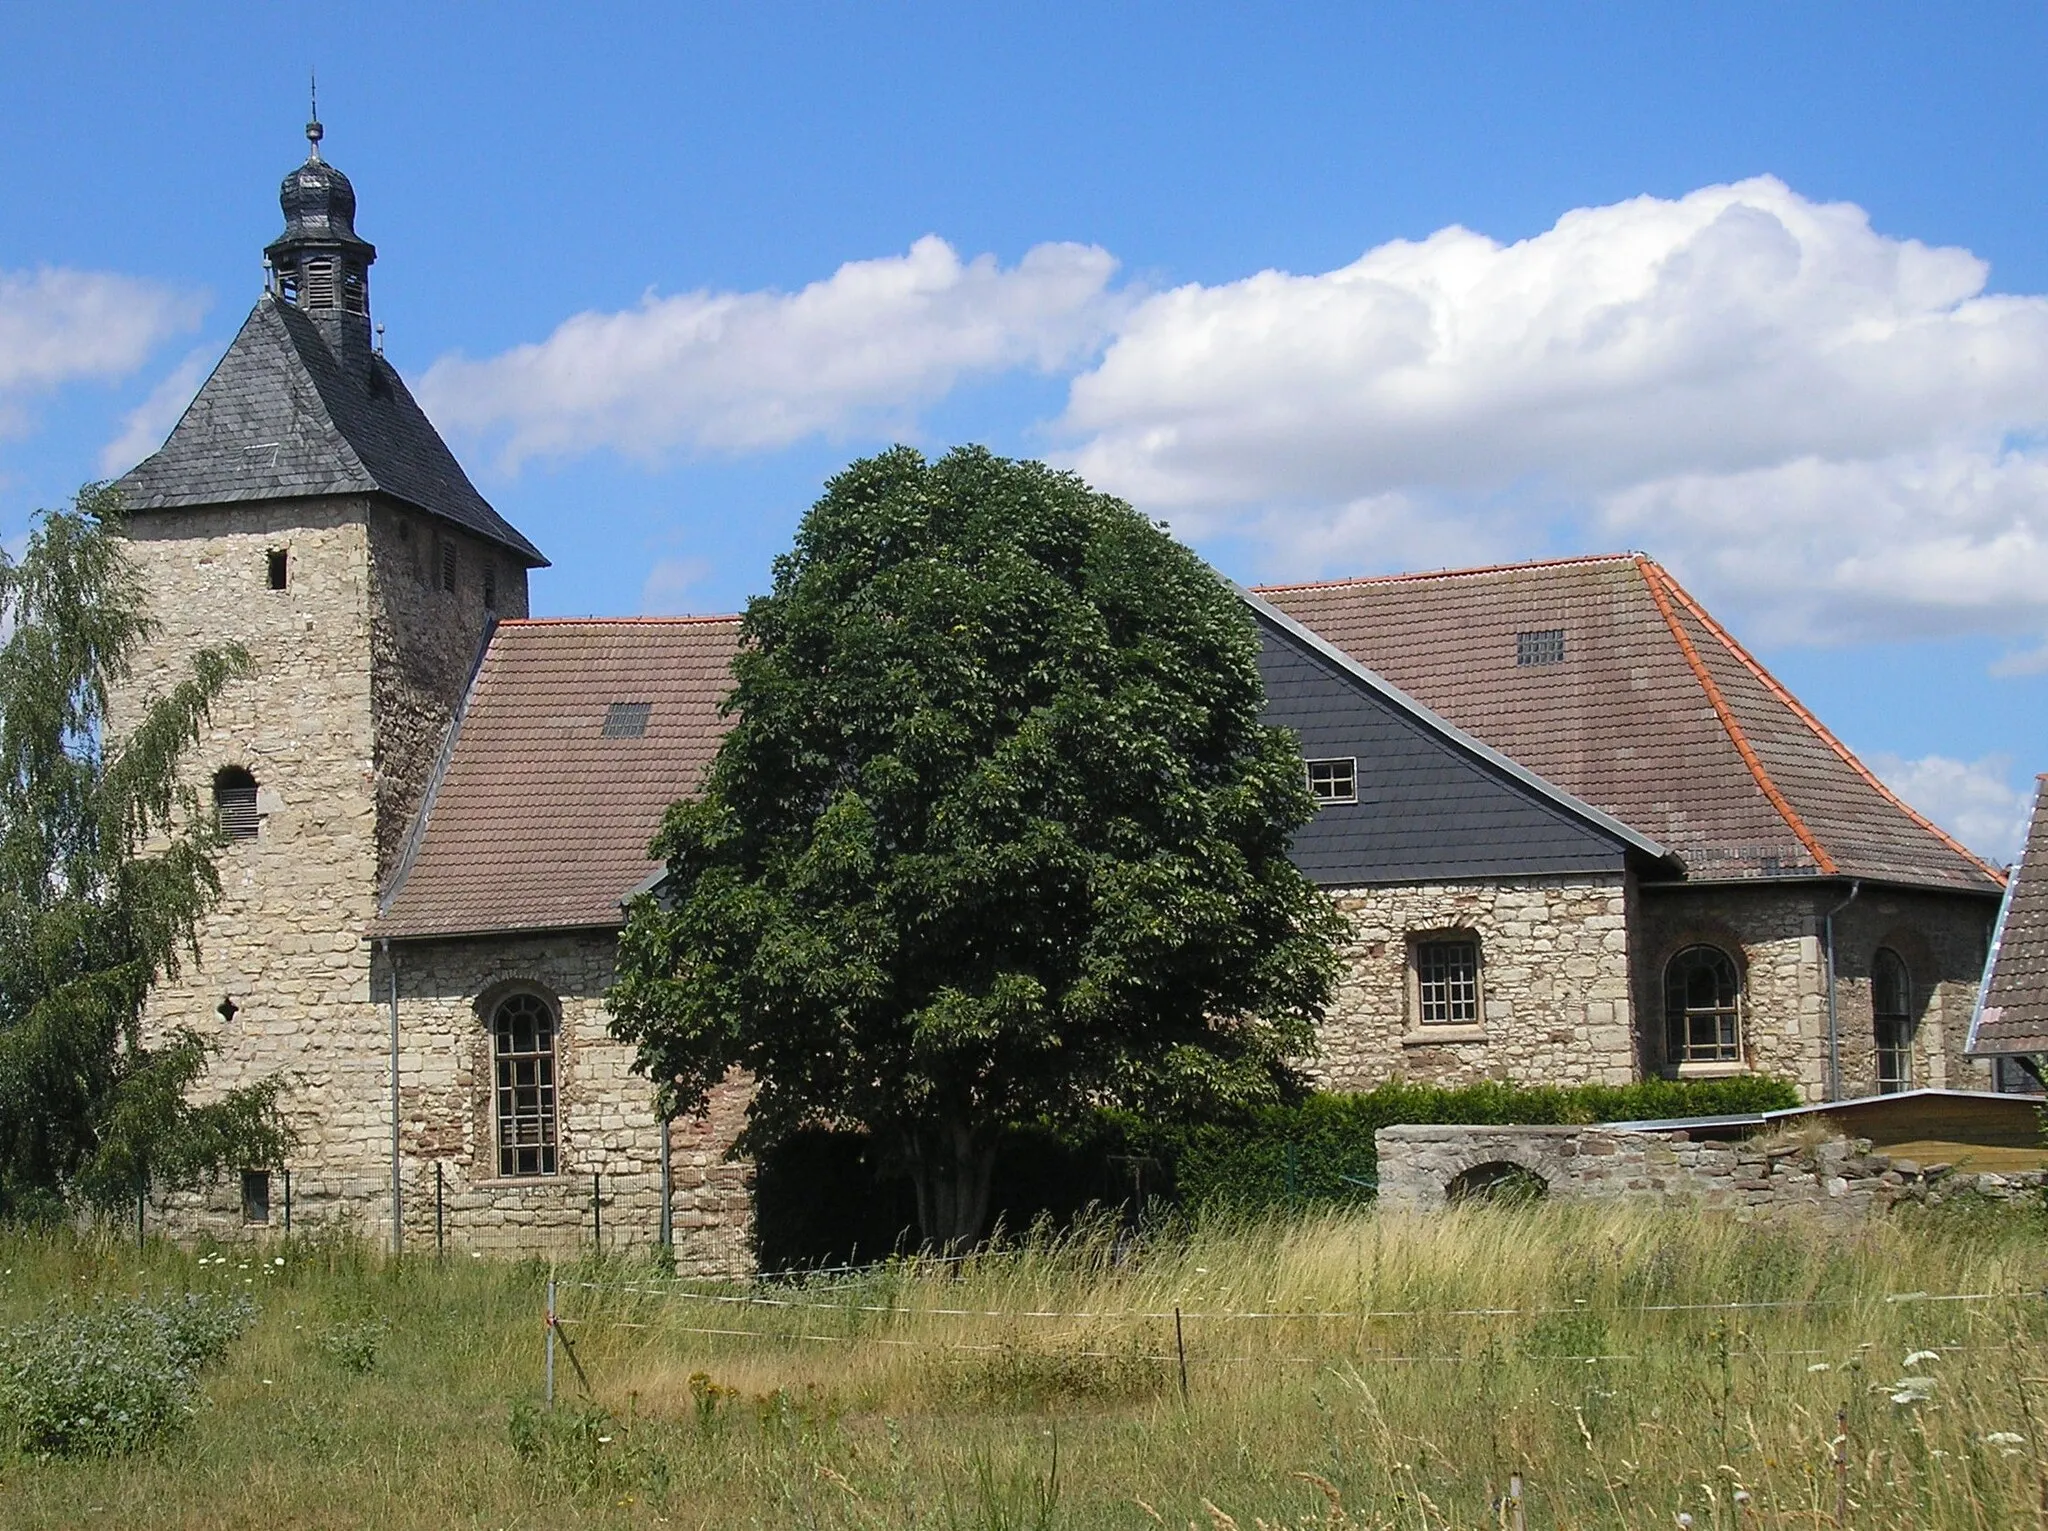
(1041, 1386)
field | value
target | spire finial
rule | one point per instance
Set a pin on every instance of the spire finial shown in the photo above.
(314, 132)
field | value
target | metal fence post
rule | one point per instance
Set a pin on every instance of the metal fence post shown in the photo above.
(287, 1203)
(550, 1364)
(597, 1212)
(440, 1243)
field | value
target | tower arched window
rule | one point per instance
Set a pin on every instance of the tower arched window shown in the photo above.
(234, 803)
(1702, 1007)
(1891, 1018)
(523, 1060)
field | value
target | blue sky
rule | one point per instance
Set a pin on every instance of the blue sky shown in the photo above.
(1333, 289)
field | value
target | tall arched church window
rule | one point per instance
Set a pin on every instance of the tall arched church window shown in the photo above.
(1702, 1007)
(234, 803)
(523, 1057)
(1891, 1017)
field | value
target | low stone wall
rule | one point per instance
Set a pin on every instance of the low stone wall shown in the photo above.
(1840, 1177)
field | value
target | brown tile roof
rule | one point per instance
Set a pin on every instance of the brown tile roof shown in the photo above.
(2012, 1006)
(1655, 715)
(538, 821)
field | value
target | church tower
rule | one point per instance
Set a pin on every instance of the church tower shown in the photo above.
(305, 507)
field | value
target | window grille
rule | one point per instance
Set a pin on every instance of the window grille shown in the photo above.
(234, 803)
(1333, 781)
(280, 568)
(319, 291)
(626, 720)
(1891, 1016)
(523, 1043)
(255, 1196)
(448, 567)
(1540, 648)
(1447, 981)
(355, 292)
(1702, 1007)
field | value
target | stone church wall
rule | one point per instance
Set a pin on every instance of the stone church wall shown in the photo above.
(1775, 933)
(1554, 985)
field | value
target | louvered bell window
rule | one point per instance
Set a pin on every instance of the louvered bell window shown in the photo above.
(234, 803)
(319, 284)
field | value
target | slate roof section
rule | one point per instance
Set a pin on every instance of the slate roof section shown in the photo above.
(2012, 1002)
(1433, 803)
(296, 409)
(538, 820)
(1655, 715)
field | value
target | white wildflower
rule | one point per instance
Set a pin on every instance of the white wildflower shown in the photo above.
(2004, 1438)
(1912, 1390)
(1820, 1366)
(1922, 1355)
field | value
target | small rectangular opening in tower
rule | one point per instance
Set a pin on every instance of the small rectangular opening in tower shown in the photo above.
(448, 567)
(255, 1196)
(490, 587)
(280, 568)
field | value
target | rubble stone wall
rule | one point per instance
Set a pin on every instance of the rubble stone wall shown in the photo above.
(1836, 1177)
(1554, 985)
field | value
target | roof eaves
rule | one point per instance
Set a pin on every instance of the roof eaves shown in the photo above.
(1577, 807)
(1819, 729)
(1654, 580)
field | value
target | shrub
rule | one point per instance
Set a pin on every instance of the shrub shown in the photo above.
(113, 1378)
(1321, 1150)
(353, 1347)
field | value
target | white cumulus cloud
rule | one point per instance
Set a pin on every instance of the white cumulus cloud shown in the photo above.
(666, 590)
(741, 371)
(144, 427)
(1817, 423)
(1974, 800)
(59, 326)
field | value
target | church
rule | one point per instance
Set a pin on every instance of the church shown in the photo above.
(1577, 831)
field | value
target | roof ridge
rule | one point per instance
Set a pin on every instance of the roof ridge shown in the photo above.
(1653, 577)
(1420, 574)
(615, 621)
(1770, 682)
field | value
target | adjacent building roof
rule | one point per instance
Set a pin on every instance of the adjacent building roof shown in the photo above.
(540, 816)
(2012, 1002)
(296, 410)
(1603, 677)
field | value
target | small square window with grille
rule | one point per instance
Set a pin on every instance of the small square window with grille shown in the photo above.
(280, 568)
(448, 567)
(490, 587)
(1334, 781)
(255, 1196)
(1545, 646)
(626, 720)
(1447, 981)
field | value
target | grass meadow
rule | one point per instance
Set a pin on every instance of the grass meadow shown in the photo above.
(1342, 1369)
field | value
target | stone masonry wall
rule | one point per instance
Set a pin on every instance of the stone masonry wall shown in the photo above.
(284, 944)
(1554, 985)
(1836, 1178)
(425, 643)
(447, 991)
(1775, 933)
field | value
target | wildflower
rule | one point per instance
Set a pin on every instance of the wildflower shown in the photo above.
(278, 1261)
(1912, 1390)
(2004, 1438)
(1820, 1366)
(1922, 1355)
(604, 1440)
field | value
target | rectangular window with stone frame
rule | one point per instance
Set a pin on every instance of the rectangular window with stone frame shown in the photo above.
(1444, 978)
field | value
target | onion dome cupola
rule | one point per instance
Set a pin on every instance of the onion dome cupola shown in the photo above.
(319, 263)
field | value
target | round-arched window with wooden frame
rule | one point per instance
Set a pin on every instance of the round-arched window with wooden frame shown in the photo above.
(1702, 1007)
(523, 1061)
(1891, 1019)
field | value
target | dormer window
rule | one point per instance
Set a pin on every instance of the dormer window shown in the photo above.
(234, 803)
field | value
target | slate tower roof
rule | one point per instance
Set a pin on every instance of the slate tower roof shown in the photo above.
(301, 404)
(1606, 678)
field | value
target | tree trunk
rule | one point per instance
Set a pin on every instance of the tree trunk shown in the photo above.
(950, 1166)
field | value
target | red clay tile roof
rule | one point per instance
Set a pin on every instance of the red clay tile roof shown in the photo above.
(1655, 715)
(2012, 1007)
(539, 822)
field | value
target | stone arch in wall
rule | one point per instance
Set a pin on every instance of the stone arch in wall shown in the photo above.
(1501, 1181)
(1480, 1166)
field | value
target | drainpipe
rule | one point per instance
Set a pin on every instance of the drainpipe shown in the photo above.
(1834, 1027)
(397, 1190)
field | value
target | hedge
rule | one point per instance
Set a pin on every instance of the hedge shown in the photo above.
(1322, 1149)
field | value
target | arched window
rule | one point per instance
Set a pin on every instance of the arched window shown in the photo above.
(523, 1056)
(1702, 1007)
(1891, 1016)
(234, 803)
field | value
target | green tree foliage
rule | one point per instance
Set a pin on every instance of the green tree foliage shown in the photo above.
(106, 866)
(996, 835)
